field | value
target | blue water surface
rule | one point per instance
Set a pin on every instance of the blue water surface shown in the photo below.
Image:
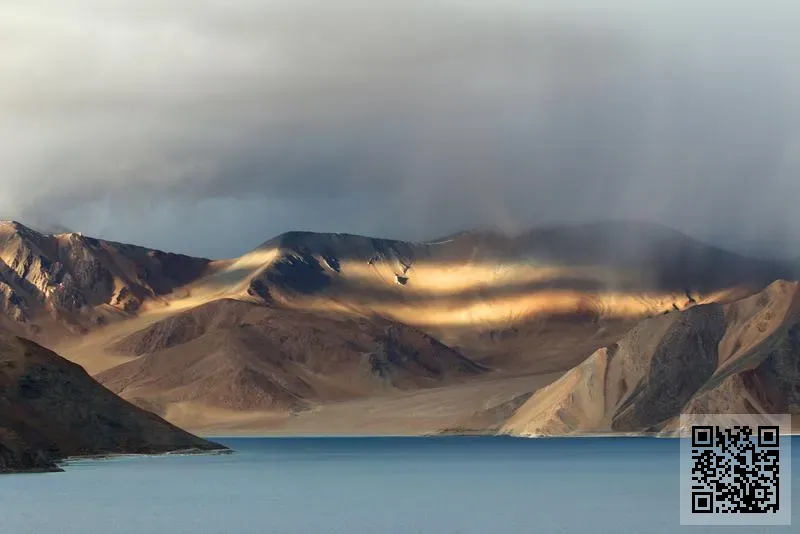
(445, 485)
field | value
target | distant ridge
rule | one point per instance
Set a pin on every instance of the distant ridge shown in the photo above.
(47, 228)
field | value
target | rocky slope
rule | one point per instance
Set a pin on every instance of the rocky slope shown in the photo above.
(67, 283)
(238, 355)
(743, 357)
(51, 409)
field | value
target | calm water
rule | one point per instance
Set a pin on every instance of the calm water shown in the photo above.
(365, 486)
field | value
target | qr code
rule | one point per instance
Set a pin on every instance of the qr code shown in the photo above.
(735, 468)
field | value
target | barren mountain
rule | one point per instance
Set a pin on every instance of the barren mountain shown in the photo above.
(236, 355)
(52, 285)
(743, 357)
(307, 321)
(51, 409)
(509, 302)
(620, 258)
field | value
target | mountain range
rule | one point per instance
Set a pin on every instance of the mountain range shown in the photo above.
(607, 327)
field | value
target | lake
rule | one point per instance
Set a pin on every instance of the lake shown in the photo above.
(464, 485)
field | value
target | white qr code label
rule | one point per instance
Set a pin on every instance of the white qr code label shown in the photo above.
(736, 469)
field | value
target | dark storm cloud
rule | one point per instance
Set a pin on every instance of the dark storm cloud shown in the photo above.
(209, 126)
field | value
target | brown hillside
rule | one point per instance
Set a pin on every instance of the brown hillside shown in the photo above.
(743, 357)
(238, 355)
(52, 285)
(51, 409)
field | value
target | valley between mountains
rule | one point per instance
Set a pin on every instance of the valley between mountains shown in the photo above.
(608, 327)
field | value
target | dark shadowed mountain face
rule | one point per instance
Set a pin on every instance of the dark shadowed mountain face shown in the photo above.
(683, 359)
(51, 409)
(675, 260)
(308, 258)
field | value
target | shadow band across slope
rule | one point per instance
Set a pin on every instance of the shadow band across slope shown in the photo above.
(667, 259)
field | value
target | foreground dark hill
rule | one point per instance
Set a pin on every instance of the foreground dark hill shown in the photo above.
(743, 357)
(236, 355)
(51, 409)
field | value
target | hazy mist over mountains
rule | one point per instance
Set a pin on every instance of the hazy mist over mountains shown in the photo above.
(206, 127)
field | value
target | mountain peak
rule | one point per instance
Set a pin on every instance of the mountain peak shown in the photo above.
(16, 225)
(43, 229)
(81, 281)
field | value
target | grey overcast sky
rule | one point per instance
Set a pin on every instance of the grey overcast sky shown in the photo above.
(208, 126)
